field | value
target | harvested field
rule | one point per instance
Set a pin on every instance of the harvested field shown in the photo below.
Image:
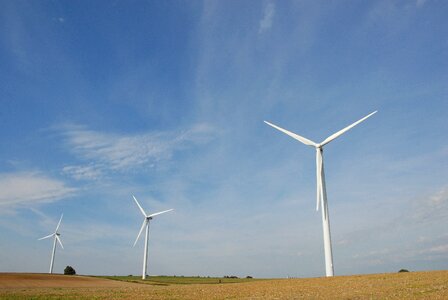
(30, 280)
(414, 285)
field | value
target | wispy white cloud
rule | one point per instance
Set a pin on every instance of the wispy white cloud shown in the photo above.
(404, 253)
(421, 3)
(426, 210)
(410, 238)
(31, 188)
(88, 172)
(80, 232)
(268, 17)
(441, 249)
(121, 152)
(392, 17)
(430, 209)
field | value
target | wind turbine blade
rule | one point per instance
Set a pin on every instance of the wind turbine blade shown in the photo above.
(333, 136)
(293, 135)
(145, 222)
(318, 176)
(60, 242)
(138, 204)
(159, 213)
(59, 223)
(46, 237)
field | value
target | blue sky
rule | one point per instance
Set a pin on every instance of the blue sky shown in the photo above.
(166, 100)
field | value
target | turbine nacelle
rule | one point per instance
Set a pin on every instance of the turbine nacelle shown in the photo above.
(55, 234)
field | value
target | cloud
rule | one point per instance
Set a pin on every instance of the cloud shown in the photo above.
(413, 236)
(266, 22)
(427, 210)
(120, 152)
(442, 249)
(31, 188)
(420, 3)
(82, 172)
(430, 209)
(393, 17)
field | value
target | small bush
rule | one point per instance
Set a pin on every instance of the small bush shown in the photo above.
(69, 271)
(403, 270)
(249, 277)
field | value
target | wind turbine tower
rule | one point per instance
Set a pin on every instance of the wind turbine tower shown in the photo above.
(145, 225)
(321, 189)
(56, 235)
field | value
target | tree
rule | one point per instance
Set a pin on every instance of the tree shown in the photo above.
(69, 271)
(403, 270)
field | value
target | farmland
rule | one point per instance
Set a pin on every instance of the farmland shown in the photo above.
(420, 285)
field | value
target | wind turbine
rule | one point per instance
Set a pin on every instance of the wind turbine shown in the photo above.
(145, 224)
(321, 189)
(56, 235)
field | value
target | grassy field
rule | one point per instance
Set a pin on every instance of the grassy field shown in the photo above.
(413, 285)
(167, 280)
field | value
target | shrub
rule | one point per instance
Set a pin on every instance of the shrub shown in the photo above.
(403, 270)
(69, 271)
(249, 277)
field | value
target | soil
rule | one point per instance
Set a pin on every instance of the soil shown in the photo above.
(31, 280)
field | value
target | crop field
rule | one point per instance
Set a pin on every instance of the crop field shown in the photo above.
(413, 285)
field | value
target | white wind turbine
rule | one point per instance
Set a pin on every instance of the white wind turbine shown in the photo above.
(56, 235)
(321, 189)
(146, 221)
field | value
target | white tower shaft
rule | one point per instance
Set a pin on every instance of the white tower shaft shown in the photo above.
(52, 255)
(145, 255)
(329, 270)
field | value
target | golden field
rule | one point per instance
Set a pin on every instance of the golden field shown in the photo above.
(413, 285)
